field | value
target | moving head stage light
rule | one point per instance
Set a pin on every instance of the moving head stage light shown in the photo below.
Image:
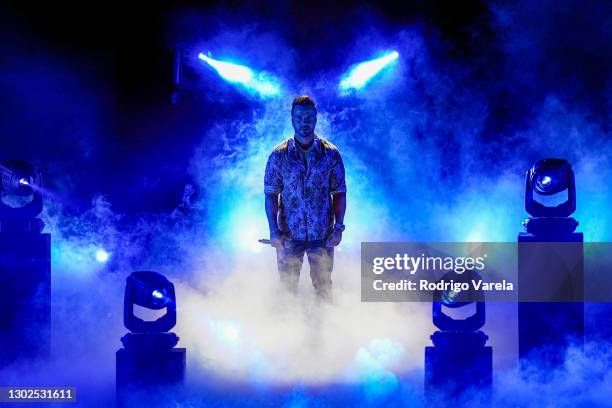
(550, 267)
(453, 330)
(459, 359)
(152, 291)
(25, 266)
(20, 179)
(547, 178)
(149, 362)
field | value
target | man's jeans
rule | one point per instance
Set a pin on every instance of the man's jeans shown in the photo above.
(320, 259)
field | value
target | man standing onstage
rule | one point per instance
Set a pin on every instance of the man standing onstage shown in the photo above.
(307, 172)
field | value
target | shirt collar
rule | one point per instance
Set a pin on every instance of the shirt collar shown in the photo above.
(317, 148)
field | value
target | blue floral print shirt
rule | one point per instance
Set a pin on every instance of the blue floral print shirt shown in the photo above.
(305, 207)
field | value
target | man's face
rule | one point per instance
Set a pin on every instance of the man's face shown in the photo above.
(304, 119)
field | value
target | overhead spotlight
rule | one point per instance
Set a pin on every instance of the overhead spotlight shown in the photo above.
(261, 83)
(363, 72)
(150, 290)
(20, 179)
(176, 76)
(549, 178)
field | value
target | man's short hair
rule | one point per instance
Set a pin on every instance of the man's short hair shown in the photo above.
(303, 100)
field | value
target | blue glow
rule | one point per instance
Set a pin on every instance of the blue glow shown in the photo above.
(24, 182)
(260, 82)
(228, 332)
(298, 400)
(245, 226)
(433, 149)
(102, 255)
(360, 74)
(373, 366)
(546, 180)
(157, 294)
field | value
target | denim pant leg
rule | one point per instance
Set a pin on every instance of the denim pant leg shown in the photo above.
(321, 261)
(289, 261)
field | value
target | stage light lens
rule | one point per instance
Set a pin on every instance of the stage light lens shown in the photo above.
(448, 297)
(102, 255)
(544, 184)
(24, 182)
(159, 297)
(550, 176)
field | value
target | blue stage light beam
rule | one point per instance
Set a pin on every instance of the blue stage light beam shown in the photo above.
(259, 82)
(358, 76)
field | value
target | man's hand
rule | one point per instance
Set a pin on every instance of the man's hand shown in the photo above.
(334, 238)
(277, 239)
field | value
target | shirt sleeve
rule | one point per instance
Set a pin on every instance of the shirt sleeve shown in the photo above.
(337, 182)
(273, 180)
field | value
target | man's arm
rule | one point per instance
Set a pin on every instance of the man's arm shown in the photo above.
(272, 211)
(273, 185)
(339, 205)
(277, 238)
(337, 186)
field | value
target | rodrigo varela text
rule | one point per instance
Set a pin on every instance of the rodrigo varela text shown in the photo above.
(425, 285)
(412, 264)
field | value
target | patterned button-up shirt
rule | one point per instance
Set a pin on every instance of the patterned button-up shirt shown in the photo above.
(305, 208)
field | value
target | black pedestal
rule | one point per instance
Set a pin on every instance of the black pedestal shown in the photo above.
(149, 378)
(25, 296)
(458, 362)
(551, 270)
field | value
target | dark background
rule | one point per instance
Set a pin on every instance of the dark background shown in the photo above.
(86, 87)
(122, 56)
